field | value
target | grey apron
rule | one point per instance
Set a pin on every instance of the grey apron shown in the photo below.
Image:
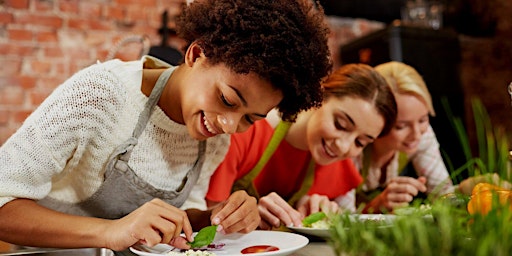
(122, 190)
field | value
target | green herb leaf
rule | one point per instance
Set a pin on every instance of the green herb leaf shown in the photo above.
(204, 237)
(312, 218)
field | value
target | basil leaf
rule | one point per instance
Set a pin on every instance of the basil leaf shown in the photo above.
(204, 237)
(312, 218)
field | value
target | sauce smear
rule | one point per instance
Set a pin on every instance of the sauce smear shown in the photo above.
(259, 248)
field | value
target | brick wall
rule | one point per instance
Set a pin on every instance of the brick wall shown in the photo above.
(43, 42)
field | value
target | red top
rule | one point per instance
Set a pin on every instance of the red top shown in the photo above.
(284, 171)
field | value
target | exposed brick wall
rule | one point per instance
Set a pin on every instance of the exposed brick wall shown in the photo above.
(43, 42)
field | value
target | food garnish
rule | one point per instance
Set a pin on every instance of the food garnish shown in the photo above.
(259, 248)
(204, 237)
(312, 218)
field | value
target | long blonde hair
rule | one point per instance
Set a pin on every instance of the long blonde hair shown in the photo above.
(403, 78)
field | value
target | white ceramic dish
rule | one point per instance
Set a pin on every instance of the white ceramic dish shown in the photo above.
(318, 232)
(234, 243)
(386, 218)
(325, 233)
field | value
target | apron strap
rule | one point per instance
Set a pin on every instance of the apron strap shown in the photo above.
(403, 160)
(246, 182)
(152, 101)
(306, 183)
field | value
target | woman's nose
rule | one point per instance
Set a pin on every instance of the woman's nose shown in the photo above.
(343, 146)
(417, 131)
(227, 123)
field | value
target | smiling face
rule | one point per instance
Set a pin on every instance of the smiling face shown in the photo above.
(341, 128)
(216, 100)
(412, 122)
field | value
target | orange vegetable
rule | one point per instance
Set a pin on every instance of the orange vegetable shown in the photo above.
(485, 195)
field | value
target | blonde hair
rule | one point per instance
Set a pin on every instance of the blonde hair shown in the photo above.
(403, 78)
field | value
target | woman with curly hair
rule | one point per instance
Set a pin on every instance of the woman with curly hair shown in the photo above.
(122, 152)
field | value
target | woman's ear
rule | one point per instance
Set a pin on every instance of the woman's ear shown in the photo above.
(194, 51)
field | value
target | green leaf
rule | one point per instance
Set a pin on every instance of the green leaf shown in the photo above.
(204, 237)
(312, 218)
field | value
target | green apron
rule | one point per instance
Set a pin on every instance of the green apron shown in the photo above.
(367, 196)
(247, 182)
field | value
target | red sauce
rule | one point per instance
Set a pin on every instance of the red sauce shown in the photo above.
(259, 248)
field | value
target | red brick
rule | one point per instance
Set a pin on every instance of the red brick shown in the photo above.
(27, 82)
(40, 20)
(97, 24)
(77, 23)
(47, 37)
(78, 53)
(6, 132)
(18, 4)
(19, 34)
(4, 117)
(69, 6)
(20, 115)
(10, 67)
(16, 50)
(43, 6)
(115, 12)
(131, 2)
(37, 97)
(40, 67)
(89, 9)
(136, 13)
(50, 83)
(11, 95)
(53, 52)
(6, 18)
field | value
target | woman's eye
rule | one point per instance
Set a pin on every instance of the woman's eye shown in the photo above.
(359, 144)
(225, 101)
(399, 127)
(338, 125)
(249, 119)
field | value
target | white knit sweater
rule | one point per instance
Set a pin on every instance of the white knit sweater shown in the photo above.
(62, 148)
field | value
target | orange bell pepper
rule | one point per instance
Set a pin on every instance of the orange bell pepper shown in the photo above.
(484, 195)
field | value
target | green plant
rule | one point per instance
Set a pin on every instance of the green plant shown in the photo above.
(493, 145)
(451, 230)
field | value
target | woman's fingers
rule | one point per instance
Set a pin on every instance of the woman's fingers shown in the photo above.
(155, 222)
(238, 214)
(179, 242)
(274, 205)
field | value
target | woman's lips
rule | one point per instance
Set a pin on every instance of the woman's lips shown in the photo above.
(207, 128)
(328, 150)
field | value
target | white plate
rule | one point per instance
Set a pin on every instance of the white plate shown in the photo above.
(319, 232)
(234, 243)
(386, 218)
(326, 233)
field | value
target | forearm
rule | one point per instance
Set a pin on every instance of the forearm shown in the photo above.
(24, 222)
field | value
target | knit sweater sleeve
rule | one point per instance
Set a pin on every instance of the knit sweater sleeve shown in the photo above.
(59, 133)
(428, 162)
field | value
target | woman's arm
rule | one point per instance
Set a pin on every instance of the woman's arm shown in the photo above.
(429, 163)
(24, 222)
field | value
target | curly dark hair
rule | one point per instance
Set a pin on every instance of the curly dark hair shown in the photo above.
(284, 42)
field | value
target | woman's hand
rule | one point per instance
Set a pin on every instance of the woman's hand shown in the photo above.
(399, 192)
(239, 213)
(315, 203)
(153, 223)
(274, 210)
